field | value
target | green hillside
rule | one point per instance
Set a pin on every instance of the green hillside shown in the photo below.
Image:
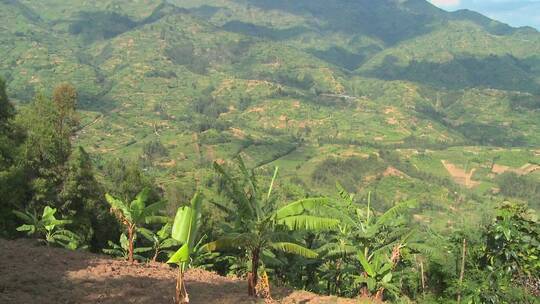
(290, 83)
(388, 100)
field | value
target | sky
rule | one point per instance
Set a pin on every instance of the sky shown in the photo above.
(513, 12)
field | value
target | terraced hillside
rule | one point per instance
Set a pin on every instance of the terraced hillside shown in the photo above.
(394, 97)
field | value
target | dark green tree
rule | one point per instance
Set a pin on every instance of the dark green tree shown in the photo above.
(65, 100)
(43, 152)
(11, 179)
(7, 111)
(82, 196)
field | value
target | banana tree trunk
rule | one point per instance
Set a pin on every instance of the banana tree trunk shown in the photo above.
(379, 295)
(156, 254)
(131, 235)
(253, 277)
(181, 296)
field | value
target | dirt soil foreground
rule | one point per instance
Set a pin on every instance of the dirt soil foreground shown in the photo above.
(30, 273)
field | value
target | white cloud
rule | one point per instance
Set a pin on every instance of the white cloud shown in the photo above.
(446, 3)
(513, 12)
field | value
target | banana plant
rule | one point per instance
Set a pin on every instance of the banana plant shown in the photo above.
(185, 228)
(161, 241)
(202, 258)
(121, 250)
(378, 275)
(133, 215)
(259, 226)
(364, 232)
(48, 228)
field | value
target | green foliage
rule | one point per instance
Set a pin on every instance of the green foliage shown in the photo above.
(81, 195)
(525, 102)
(44, 149)
(48, 228)
(513, 241)
(500, 263)
(7, 111)
(10, 175)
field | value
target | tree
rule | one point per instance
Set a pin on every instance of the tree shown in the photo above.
(81, 196)
(513, 241)
(258, 225)
(135, 214)
(185, 229)
(501, 262)
(37, 178)
(65, 99)
(11, 180)
(7, 111)
(44, 151)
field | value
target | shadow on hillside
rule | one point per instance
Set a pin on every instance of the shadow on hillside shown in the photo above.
(385, 20)
(155, 285)
(98, 25)
(344, 58)
(259, 31)
(39, 274)
(497, 72)
(140, 289)
(373, 18)
(96, 103)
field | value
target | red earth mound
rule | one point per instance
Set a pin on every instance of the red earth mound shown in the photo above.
(35, 274)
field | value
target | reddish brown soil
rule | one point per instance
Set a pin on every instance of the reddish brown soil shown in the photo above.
(35, 274)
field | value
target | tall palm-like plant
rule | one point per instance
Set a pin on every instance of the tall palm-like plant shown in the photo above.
(375, 240)
(185, 230)
(258, 225)
(135, 214)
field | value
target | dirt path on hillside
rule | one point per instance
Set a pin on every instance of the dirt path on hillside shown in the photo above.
(35, 274)
(460, 176)
(528, 168)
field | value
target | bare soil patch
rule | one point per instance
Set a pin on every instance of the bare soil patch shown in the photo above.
(459, 175)
(391, 171)
(523, 170)
(35, 274)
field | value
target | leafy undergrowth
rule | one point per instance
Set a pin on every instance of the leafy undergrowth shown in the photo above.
(37, 274)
